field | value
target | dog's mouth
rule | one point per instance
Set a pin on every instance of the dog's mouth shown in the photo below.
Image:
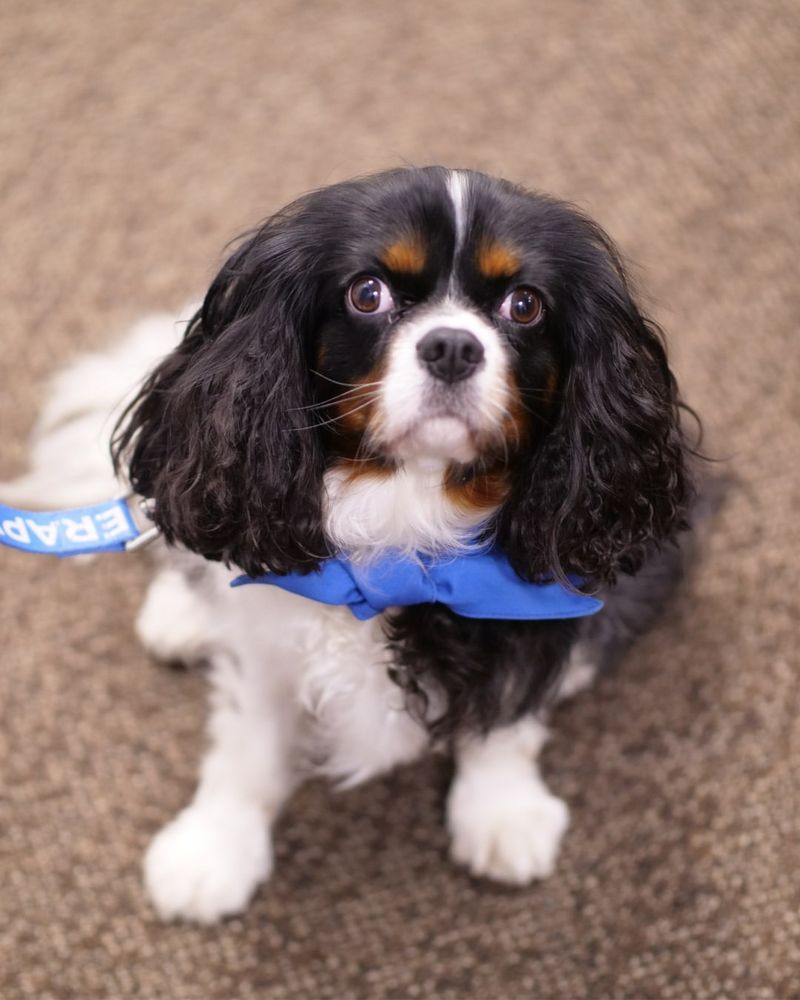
(446, 436)
(447, 431)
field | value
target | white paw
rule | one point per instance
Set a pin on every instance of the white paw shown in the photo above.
(509, 831)
(208, 862)
(173, 621)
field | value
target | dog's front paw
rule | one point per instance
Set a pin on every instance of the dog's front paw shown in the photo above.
(208, 862)
(509, 829)
(173, 622)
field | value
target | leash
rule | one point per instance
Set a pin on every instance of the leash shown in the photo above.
(77, 531)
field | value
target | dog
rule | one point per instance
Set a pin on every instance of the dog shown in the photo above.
(427, 365)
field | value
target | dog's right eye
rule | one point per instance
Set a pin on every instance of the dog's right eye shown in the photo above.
(369, 294)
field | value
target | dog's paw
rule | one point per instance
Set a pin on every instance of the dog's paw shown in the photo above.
(207, 863)
(173, 622)
(509, 830)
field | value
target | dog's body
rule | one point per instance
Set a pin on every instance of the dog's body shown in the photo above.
(506, 392)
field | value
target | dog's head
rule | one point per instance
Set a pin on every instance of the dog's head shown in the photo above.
(424, 340)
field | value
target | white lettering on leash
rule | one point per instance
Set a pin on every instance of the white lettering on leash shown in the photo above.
(112, 523)
(83, 530)
(46, 533)
(15, 529)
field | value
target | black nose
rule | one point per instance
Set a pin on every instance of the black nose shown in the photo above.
(450, 355)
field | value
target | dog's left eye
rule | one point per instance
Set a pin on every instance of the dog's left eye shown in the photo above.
(369, 294)
(523, 305)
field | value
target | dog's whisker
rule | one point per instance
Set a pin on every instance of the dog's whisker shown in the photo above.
(349, 393)
(337, 418)
(351, 385)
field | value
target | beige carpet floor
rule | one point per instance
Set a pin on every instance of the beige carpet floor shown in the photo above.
(136, 138)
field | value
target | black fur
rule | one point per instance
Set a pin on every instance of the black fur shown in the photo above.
(608, 479)
(213, 436)
(485, 673)
(220, 434)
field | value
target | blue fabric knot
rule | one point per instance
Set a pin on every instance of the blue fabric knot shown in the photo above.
(480, 583)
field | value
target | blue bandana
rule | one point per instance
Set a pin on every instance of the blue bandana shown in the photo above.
(478, 584)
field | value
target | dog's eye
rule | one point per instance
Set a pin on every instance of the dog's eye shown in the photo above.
(523, 305)
(368, 294)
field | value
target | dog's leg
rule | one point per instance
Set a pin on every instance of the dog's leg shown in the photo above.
(208, 862)
(504, 823)
(176, 621)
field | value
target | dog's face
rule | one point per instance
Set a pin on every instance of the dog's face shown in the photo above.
(417, 318)
(433, 339)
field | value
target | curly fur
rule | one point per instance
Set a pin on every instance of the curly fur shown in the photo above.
(609, 481)
(213, 434)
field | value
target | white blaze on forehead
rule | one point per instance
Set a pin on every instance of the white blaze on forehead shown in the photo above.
(457, 185)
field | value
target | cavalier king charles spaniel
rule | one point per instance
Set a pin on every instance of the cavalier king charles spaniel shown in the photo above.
(424, 364)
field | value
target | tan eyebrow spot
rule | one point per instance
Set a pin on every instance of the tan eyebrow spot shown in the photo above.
(406, 256)
(497, 261)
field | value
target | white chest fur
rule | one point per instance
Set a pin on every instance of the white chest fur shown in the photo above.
(327, 668)
(408, 510)
(360, 726)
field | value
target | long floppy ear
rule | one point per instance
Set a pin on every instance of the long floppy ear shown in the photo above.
(608, 482)
(215, 435)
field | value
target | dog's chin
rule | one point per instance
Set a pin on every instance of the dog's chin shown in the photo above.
(438, 439)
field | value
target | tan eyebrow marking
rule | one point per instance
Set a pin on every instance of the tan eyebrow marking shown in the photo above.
(497, 261)
(405, 255)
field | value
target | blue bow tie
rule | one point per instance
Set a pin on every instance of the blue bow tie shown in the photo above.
(478, 584)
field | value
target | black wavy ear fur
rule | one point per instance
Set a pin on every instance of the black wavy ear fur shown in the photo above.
(608, 483)
(215, 434)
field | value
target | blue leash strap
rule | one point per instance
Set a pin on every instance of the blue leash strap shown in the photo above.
(102, 527)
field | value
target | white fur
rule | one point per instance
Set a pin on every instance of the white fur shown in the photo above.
(207, 863)
(70, 452)
(503, 821)
(359, 726)
(458, 187)
(408, 510)
(410, 398)
(296, 686)
(173, 624)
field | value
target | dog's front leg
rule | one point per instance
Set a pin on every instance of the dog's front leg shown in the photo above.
(207, 863)
(504, 823)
